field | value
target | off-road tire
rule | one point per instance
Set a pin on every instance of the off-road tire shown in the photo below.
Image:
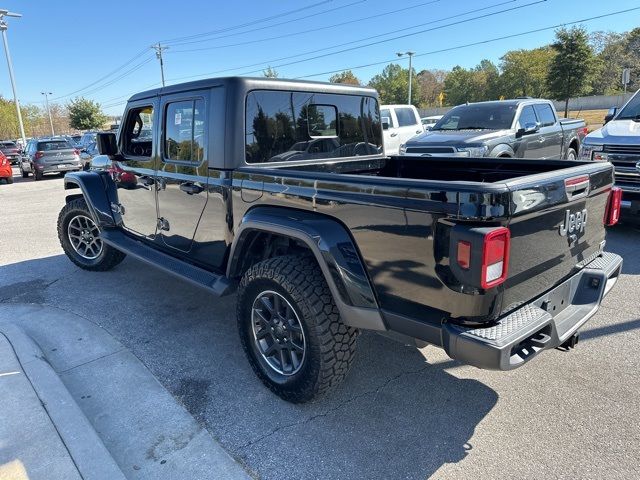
(330, 344)
(571, 154)
(108, 258)
(37, 175)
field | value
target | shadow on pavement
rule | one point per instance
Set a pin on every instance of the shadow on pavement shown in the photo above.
(396, 416)
(618, 242)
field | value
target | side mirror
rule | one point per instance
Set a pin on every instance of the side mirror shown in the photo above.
(100, 162)
(610, 114)
(530, 128)
(106, 143)
(386, 121)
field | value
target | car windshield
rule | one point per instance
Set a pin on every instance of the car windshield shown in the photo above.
(632, 110)
(57, 145)
(489, 116)
(8, 145)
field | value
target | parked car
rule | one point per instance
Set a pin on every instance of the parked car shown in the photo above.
(6, 173)
(429, 122)
(619, 143)
(399, 123)
(11, 151)
(87, 139)
(494, 263)
(520, 128)
(49, 155)
(86, 154)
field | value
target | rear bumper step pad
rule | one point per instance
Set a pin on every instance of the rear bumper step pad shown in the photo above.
(545, 323)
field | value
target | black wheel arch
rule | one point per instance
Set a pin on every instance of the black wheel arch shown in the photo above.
(287, 231)
(98, 191)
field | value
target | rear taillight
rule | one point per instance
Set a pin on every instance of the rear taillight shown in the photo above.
(76, 151)
(614, 205)
(464, 254)
(39, 154)
(495, 257)
(584, 131)
(3, 161)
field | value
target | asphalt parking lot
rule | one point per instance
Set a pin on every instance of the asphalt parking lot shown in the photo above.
(402, 412)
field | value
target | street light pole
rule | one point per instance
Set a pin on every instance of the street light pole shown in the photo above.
(410, 55)
(3, 28)
(46, 103)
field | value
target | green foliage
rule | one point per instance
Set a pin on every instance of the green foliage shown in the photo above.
(572, 66)
(430, 84)
(85, 114)
(524, 72)
(346, 77)
(474, 85)
(270, 72)
(393, 85)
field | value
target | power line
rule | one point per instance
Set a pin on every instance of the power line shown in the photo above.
(302, 32)
(253, 30)
(490, 40)
(253, 22)
(127, 63)
(267, 62)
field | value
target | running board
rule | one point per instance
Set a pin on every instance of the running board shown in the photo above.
(217, 284)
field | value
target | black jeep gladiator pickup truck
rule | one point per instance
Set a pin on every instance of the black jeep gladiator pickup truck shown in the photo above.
(494, 260)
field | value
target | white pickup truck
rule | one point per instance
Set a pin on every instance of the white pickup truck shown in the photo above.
(399, 123)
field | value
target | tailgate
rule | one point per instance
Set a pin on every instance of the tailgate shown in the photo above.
(549, 238)
(59, 156)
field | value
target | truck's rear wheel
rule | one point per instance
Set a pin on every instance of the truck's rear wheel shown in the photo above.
(80, 239)
(572, 154)
(291, 330)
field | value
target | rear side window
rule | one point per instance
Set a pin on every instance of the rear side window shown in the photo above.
(291, 126)
(406, 117)
(527, 116)
(137, 136)
(184, 131)
(545, 114)
(51, 146)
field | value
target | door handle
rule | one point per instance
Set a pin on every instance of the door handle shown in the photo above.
(190, 188)
(418, 131)
(393, 135)
(541, 139)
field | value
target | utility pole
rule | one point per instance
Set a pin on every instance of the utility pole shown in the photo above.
(46, 104)
(409, 54)
(159, 48)
(3, 28)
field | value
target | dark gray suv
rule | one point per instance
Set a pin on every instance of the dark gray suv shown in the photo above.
(52, 155)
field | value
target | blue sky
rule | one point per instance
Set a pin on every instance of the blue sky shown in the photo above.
(68, 48)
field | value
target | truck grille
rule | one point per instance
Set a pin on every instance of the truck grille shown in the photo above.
(623, 149)
(436, 150)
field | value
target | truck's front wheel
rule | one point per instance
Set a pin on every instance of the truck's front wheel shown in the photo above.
(80, 238)
(291, 330)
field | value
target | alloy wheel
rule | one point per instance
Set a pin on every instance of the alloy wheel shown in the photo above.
(84, 236)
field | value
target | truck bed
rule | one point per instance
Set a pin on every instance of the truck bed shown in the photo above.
(400, 212)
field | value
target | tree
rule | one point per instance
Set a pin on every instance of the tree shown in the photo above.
(393, 85)
(524, 72)
(85, 114)
(345, 77)
(611, 59)
(430, 84)
(572, 67)
(270, 72)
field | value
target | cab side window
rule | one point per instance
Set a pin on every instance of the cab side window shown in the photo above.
(526, 116)
(184, 131)
(545, 114)
(138, 132)
(406, 117)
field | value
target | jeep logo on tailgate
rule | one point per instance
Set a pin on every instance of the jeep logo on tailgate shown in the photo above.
(573, 222)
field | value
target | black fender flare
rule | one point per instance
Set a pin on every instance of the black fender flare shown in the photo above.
(334, 250)
(96, 189)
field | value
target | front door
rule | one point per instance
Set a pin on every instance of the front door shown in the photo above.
(528, 145)
(409, 124)
(182, 174)
(135, 173)
(391, 139)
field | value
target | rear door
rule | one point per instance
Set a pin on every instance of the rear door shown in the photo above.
(182, 173)
(550, 131)
(556, 223)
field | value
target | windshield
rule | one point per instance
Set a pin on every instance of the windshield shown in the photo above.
(632, 110)
(8, 145)
(489, 116)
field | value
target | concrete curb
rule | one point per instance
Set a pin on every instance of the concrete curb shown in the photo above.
(112, 413)
(87, 451)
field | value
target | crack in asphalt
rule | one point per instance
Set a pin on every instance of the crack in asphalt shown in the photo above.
(376, 391)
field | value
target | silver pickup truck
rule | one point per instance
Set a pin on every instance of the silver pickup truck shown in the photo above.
(619, 143)
(519, 128)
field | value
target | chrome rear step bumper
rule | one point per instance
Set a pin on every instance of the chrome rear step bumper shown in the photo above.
(547, 322)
